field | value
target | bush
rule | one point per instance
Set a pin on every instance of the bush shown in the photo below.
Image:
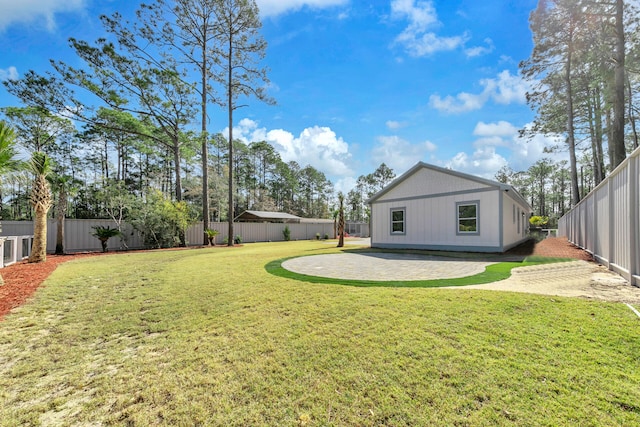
(539, 221)
(237, 240)
(161, 221)
(287, 233)
(211, 236)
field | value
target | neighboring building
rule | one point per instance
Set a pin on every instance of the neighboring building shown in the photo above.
(430, 207)
(278, 217)
(263, 216)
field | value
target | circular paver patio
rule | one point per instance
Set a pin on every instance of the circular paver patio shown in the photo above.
(384, 266)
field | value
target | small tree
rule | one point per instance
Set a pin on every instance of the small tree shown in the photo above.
(286, 233)
(211, 236)
(341, 221)
(161, 221)
(104, 234)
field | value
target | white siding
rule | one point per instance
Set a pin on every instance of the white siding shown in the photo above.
(514, 230)
(428, 181)
(432, 221)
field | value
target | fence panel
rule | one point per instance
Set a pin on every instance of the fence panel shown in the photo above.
(78, 238)
(605, 222)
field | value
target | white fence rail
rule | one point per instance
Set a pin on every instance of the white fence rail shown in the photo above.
(78, 232)
(605, 222)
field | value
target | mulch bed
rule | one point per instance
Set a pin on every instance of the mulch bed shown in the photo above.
(22, 279)
(559, 247)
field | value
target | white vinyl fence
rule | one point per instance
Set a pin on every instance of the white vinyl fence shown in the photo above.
(605, 222)
(78, 232)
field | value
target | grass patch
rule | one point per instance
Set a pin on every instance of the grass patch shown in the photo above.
(492, 273)
(208, 337)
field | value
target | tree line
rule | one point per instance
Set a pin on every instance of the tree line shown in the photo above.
(585, 75)
(123, 123)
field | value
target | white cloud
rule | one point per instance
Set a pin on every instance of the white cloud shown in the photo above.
(28, 11)
(504, 89)
(500, 129)
(473, 52)
(484, 162)
(417, 38)
(393, 125)
(499, 144)
(462, 102)
(317, 146)
(400, 154)
(10, 73)
(278, 7)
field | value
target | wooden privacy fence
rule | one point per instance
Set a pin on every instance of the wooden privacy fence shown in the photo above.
(605, 222)
(78, 232)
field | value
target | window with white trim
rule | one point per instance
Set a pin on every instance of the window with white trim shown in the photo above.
(398, 221)
(468, 217)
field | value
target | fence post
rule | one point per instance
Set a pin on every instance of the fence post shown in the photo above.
(611, 225)
(632, 173)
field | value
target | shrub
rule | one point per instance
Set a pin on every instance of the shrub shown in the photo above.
(161, 221)
(211, 235)
(539, 221)
(237, 240)
(287, 233)
(104, 234)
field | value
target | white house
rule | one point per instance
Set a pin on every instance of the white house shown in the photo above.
(430, 207)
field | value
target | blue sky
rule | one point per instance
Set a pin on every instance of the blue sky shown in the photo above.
(356, 83)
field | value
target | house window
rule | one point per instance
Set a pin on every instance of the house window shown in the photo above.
(397, 221)
(514, 214)
(468, 216)
(518, 220)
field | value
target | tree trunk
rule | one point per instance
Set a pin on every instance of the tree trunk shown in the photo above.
(598, 154)
(39, 248)
(205, 156)
(60, 235)
(570, 120)
(341, 224)
(619, 151)
(176, 167)
(230, 107)
(632, 119)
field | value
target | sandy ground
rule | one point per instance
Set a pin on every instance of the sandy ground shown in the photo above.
(571, 279)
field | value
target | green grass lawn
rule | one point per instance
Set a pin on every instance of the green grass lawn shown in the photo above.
(209, 337)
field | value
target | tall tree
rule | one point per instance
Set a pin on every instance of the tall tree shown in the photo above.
(617, 146)
(556, 26)
(38, 129)
(239, 48)
(190, 29)
(127, 77)
(61, 185)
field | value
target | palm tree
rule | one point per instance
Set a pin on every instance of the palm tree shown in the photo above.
(8, 163)
(104, 234)
(41, 201)
(7, 149)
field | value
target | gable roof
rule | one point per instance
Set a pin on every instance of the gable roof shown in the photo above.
(264, 216)
(422, 165)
